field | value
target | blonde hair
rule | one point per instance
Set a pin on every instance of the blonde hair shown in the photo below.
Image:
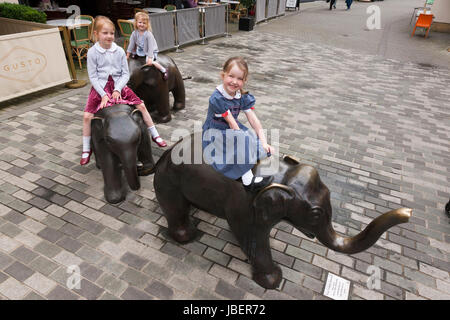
(142, 15)
(238, 62)
(99, 22)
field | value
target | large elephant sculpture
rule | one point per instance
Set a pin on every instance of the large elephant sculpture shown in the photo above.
(297, 196)
(147, 82)
(120, 138)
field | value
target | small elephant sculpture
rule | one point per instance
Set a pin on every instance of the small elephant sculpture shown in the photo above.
(148, 84)
(119, 138)
(296, 196)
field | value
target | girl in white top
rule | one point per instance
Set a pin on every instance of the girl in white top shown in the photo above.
(143, 43)
(108, 72)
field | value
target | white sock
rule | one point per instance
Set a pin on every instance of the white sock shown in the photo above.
(247, 178)
(86, 146)
(163, 70)
(155, 133)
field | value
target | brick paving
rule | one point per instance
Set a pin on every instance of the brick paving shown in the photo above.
(376, 129)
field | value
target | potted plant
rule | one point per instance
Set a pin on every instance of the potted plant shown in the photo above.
(247, 21)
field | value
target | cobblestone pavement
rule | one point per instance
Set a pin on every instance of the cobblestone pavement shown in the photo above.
(377, 130)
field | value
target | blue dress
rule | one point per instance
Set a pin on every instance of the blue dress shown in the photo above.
(231, 152)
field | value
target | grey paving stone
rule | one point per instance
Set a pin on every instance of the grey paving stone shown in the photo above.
(89, 255)
(33, 296)
(50, 234)
(112, 284)
(90, 272)
(227, 290)
(19, 271)
(47, 249)
(10, 230)
(3, 277)
(159, 290)
(43, 265)
(197, 262)
(217, 256)
(88, 290)
(214, 242)
(248, 285)
(135, 294)
(14, 217)
(39, 203)
(307, 268)
(111, 210)
(71, 230)
(174, 251)
(60, 293)
(69, 244)
(133, 260)
(282, 258)
(24, 255)
(157, 271)
(111, 266)
(111, 235)
(289, 238)
(135, 278)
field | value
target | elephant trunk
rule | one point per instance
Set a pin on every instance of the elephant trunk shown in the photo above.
(365, 238)
(130, 170)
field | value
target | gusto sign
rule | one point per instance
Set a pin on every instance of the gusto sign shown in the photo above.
(22, 64)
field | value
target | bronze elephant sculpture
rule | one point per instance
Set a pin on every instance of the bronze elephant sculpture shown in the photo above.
(119, 138)
(148, 84)
(297, 196)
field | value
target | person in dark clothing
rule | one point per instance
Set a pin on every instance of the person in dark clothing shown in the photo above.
(349, 3)
(332, 4)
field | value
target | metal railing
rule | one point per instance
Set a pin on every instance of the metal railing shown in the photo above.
(173, 29)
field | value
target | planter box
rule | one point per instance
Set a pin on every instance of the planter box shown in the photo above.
(31, 58)
(246, 23)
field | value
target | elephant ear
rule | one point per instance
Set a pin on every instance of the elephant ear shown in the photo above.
(272, 200)
(136, 79)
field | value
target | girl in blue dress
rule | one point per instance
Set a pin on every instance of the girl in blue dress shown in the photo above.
(227, 144)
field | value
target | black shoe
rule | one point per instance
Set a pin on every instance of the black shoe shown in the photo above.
(255, 186)
(447, 208)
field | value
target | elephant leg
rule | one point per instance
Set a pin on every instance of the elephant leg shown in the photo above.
(176, 210)
(144, 151)
(254, 241)
(97, 160)
(162, 106)
(179, 94)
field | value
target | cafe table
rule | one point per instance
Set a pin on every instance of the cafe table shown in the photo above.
(154, 10)
(64, 25)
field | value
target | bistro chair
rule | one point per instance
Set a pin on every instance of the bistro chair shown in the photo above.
(136, 10)
(424, 21)
(91, 26)
(81, 41)
(237, 12)
(126, 28)
(170, 7)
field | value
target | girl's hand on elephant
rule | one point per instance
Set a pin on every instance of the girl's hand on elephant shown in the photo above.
(268, 148)
(105, 100)
(149, 62)
(116, 95)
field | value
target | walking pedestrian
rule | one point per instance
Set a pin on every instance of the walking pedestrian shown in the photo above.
(333, 4)
(349, 3)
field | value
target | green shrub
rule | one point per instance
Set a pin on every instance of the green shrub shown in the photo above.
(21, 12)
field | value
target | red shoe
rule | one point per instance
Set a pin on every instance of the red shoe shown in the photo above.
(84, 161)
(161, 144)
